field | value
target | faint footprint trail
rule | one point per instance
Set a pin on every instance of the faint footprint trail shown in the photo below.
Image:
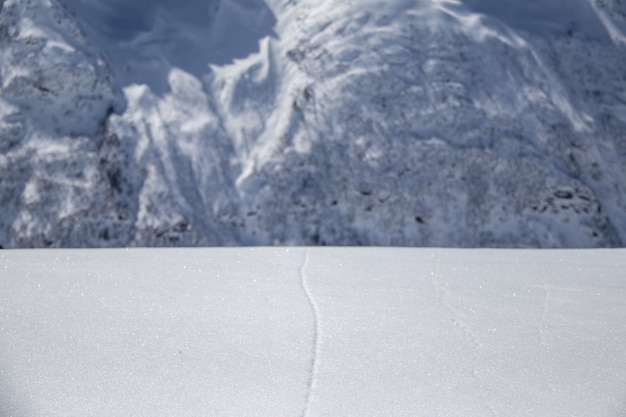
(304, 280)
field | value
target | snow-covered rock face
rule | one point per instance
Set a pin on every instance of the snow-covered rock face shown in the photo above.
(439, 126)
(50, 74)
(55, 99)
(456, 123)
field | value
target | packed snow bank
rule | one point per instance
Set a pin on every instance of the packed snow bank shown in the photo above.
(312, 332)
(429, 123)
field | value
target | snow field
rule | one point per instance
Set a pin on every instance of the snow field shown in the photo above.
(312, 332)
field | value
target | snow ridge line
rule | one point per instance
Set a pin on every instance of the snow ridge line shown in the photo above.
(316, 332)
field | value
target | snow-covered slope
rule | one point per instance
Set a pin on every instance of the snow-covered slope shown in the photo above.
(319, 332)
(397, 122)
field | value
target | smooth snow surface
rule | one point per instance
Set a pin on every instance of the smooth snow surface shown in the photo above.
(312, 332)
(495, 123)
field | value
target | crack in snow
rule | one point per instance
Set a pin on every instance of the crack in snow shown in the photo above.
(316, 332)
(444, 298)
(544, 311)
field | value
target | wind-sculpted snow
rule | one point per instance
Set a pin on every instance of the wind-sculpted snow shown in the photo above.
(453, 123)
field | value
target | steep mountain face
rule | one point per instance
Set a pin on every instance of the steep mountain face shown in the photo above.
(432, 122)
(55, 100)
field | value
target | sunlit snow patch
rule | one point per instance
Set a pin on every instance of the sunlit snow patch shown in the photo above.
(312, 332)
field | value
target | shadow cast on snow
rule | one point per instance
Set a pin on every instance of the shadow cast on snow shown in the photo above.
(145, 39)
(544, 17)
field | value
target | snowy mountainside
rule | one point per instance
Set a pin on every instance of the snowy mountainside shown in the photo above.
(436, 123)
(55, 99)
